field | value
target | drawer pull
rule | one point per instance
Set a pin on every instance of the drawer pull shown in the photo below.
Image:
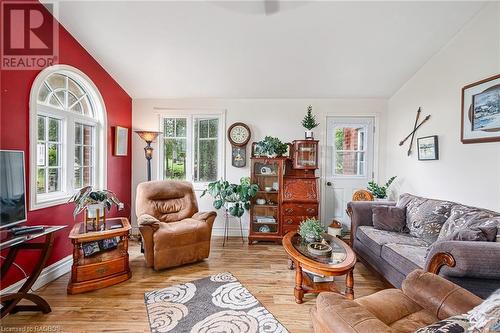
(289, 210)
(311, 211)
(289, 221)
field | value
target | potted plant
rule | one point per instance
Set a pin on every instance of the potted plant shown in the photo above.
(380, 192)
(271, 147)
(309, 122)
(93, 201)
(235, 198)
(311, 229)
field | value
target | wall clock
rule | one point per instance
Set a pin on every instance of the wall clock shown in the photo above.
(239, 134)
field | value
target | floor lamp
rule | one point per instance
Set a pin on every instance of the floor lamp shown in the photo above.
(149, 137)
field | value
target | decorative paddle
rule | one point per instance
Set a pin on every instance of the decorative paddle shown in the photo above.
(416, 128)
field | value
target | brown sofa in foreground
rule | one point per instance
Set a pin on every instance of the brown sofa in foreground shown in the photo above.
(425, 298)
(173, 231)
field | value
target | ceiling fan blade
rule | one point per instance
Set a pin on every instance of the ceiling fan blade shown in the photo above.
(271, 6)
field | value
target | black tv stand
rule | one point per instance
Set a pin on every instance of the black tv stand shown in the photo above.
(22, 242)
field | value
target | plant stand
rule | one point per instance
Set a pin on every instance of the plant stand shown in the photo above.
(226, 228)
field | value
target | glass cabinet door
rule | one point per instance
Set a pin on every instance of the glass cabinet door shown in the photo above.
(305, 154)
(265, 212)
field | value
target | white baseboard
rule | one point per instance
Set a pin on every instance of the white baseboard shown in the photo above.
(232, 232)
(49, 274)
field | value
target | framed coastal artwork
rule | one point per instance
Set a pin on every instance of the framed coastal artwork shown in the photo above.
(121, 141)
(428, 148)
(481, 111)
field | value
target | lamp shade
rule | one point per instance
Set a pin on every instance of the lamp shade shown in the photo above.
(148, 136)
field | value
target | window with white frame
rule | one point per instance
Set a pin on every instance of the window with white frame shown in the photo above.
(192, 148)
(67, 121)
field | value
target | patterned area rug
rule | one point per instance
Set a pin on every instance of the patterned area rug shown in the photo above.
(218, 303)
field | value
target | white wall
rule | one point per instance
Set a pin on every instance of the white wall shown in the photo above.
(276, 117)
(469, 173)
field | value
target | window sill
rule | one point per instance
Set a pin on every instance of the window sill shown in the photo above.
(49, 201)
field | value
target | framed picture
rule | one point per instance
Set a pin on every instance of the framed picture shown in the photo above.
(428, 149)
(481, 111)
(121, 141)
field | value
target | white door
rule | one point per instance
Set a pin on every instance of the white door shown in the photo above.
(349, 163)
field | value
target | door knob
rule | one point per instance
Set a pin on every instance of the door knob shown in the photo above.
(328, 183)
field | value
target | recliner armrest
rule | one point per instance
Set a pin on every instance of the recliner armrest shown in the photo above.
(148, 220)
(204, 215)
(472, 259)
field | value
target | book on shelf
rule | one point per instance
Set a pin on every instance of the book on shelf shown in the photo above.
(317, 277)
(264, 219)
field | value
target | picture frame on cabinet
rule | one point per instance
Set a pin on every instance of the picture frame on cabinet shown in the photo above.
(481, 111)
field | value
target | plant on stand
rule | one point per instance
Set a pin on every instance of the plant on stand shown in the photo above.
(271, 147)
(235, 198)
(309, 122)
(378, 191)
(311, 229)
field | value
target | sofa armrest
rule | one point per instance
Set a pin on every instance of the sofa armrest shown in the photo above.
(438, 295)
(337, 314)
(472, 259)
(361, 213)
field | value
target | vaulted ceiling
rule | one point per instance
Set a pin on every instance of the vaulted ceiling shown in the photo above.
(234, 49)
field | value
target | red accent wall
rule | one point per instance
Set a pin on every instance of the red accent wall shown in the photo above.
(15, 88)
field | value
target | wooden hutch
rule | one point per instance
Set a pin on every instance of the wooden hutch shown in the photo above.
(288, 192)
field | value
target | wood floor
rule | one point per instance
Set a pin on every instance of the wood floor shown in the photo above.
(262, 268)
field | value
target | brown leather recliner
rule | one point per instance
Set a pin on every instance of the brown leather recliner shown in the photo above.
(425, 298)
(173, 231)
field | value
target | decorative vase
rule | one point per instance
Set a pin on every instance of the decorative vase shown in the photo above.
(311, 238)
(95, 211)
(309, 135)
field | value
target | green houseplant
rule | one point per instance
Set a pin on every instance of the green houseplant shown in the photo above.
(92, 200)
(271, 147)
(378, 191)
(235, 198)
(311, 229)
(309, 122)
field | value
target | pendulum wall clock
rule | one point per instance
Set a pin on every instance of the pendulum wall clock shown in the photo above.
(239, 134)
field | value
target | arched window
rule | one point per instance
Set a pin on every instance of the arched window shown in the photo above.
(67, 136)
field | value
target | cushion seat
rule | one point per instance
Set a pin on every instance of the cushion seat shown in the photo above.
(405, 258)
(374, 239)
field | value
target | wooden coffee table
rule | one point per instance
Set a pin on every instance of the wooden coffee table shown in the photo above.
(340, 262)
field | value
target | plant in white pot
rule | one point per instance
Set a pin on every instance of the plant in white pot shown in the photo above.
(380, 191)
(309, 122)
(311, 229)
(96, 202)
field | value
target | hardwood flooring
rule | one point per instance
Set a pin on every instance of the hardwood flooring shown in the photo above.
(262, 268)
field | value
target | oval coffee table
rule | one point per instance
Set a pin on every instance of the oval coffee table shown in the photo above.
(340, 262)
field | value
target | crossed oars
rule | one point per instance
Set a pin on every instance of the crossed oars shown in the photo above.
(415, 128)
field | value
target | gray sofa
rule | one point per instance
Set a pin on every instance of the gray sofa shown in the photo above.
(476, 264)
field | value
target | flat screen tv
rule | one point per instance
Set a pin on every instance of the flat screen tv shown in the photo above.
(12, 188)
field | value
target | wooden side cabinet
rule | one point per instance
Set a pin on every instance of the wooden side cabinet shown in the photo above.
(105, 267)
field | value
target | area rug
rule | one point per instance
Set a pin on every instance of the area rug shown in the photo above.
(218, 303)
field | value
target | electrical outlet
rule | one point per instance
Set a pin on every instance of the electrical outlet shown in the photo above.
(121, 206)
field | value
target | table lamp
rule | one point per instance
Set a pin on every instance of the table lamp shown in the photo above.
(148, 136)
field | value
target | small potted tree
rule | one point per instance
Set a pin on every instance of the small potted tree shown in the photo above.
(378, 191)
(309, 122)
(311, 229)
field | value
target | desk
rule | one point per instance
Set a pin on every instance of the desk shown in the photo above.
(24, 242)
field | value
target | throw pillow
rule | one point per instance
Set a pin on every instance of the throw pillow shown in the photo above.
(486, 316)
(389, 218)
(455, 324)
(465, 217)
(425, 217)
(481, 234)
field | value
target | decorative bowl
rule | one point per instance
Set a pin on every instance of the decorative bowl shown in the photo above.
(319, 249)
(260, 201)
(264, 228)
(268, 188)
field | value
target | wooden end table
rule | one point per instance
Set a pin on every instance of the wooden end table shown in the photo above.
(104, 268)
(340, 262)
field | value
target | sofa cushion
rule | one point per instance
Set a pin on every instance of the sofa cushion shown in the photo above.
(464, 217)
(474, 234)
(374, 238)
(425, 217)
(389, 218)
(405, 258)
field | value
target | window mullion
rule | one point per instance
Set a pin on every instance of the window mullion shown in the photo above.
(70, 154)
